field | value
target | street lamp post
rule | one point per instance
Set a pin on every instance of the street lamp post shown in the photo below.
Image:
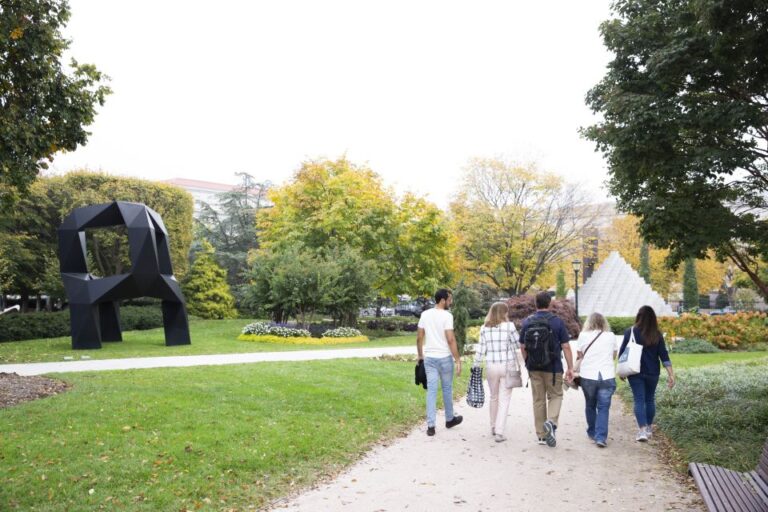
(576, 268)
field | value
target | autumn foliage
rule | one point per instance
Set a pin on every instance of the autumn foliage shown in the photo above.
(524, 306)
(739, 330)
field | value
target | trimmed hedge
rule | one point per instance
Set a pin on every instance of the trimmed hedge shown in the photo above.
(392, 324)
(30, 326)
(692, 346)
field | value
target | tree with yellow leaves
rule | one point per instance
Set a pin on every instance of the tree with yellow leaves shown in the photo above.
(514, 221)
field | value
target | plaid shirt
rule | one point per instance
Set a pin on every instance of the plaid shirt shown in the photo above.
(497, 344)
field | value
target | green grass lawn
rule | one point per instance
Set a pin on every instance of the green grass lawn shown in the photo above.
(717, 413)
(695, 360)
(215, 438)
(208, 337)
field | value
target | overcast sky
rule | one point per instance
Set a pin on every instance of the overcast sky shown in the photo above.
(412, 88)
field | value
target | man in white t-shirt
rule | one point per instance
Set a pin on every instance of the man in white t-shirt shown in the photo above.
(436, 345)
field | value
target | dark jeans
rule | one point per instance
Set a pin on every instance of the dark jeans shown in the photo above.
(598, 394)
(644, 395)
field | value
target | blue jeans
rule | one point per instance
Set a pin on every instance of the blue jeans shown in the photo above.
(442, 369)
(644, 395)
(598, 394)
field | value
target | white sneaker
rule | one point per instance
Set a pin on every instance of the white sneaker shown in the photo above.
(499, 438)
(649, 431)
(641, 436)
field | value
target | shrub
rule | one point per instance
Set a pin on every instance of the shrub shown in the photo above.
(523, 306)
(206, 289)
(29, 326)
(342, 332)
(739, 330)
(473, 334)
(392, 324)
(619, 324)
(692, 346)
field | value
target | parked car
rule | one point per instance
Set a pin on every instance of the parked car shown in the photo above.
(414, 308)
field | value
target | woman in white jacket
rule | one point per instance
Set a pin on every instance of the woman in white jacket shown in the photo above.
(498, 347)
(597, 352)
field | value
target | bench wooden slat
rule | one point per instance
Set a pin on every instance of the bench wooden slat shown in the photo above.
(741, 492)
(760, 485)
(717, 490)
(696, 472)
(724, 490)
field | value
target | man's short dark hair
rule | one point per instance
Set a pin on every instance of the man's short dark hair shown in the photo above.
(442, 293)
(542, 300)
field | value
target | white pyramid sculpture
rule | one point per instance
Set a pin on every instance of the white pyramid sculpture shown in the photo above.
(615, 289)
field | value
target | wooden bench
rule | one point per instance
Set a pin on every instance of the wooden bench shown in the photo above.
(731, 491)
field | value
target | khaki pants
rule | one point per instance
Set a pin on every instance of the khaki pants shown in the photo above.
(547, 399)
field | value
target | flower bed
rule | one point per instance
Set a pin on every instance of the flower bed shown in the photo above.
(739, 330)
(304, 340)
(267, 333)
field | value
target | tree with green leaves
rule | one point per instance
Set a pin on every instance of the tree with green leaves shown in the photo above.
(205, 287)
(300, 282)
(230, 227)
(690, 286)
(335, 204)
(561, 288)
(685, 126)
(645, 265)
(464, 299)
(44, 106)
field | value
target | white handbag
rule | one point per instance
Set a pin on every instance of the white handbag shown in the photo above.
(629, 360)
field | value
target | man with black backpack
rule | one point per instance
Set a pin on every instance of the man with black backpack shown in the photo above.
(544, 338)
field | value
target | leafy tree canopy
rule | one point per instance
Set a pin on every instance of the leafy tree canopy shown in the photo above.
(685, 125)
(337, 204)
(43, 105)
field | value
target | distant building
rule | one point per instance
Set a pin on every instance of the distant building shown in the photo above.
(207, 191)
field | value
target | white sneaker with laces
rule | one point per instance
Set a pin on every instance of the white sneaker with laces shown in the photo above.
(641, 436)
(649, 431)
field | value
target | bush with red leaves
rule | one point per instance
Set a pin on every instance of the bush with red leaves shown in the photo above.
(524, 306)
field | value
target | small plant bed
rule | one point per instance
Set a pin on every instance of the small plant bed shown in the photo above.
(716, 414)
(264, 332)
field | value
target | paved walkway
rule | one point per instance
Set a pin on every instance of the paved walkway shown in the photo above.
(92, 365)
(463, 469)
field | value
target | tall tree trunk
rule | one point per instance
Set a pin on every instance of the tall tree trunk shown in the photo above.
(743, 265)
(24, 302)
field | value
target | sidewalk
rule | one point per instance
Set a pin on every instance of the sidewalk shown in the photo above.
(200, 360)
(464, 469)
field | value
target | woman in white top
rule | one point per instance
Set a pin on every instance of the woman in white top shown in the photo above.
(597, 352)
(498, 346)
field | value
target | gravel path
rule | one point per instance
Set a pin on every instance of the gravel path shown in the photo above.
(464, 469)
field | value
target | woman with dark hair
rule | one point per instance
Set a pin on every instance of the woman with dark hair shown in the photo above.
(646, 333)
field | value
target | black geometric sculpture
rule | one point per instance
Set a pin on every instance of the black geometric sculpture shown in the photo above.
(94, 302)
